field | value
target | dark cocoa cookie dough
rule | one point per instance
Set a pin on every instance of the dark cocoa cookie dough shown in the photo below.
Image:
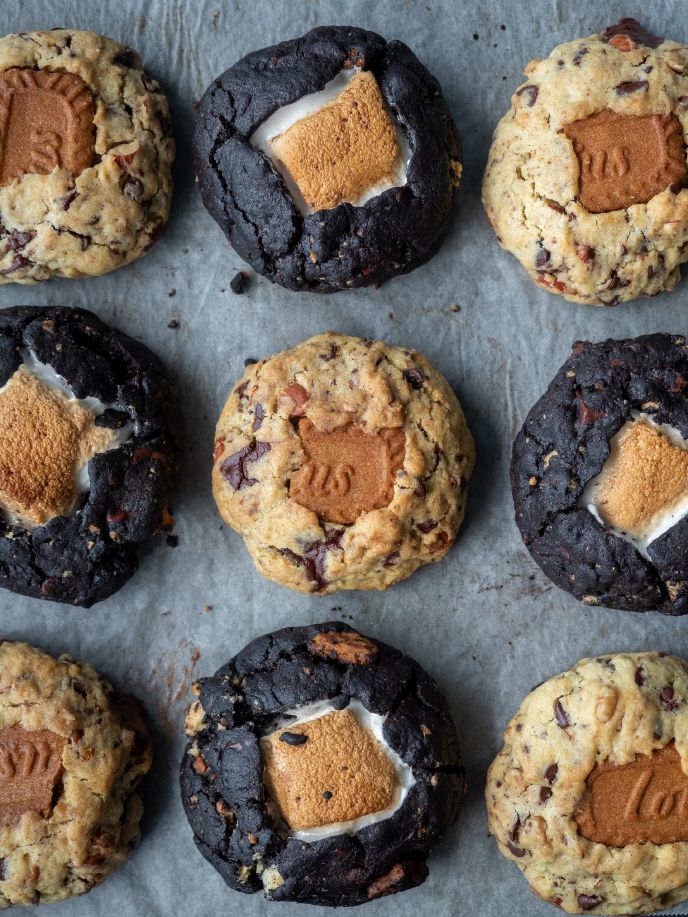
(99, 405)
(241, 738)
(620, 406)
(346, 245)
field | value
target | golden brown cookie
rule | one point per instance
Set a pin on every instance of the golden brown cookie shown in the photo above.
(85, 156)
(343, 463)
(586, 181)
(589, 795)
(71, 757)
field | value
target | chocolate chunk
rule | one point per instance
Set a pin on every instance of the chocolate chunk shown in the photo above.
(628, 86)
(293, 738)
(529, 93)
(414, 378)
(545, 794)
(234, 469)
(551, 773)
(560, 714)
(633, 30)
(589, 902)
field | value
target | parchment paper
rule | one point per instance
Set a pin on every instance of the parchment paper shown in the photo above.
(485, 622)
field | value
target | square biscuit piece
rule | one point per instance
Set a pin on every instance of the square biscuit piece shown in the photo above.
(341, 151)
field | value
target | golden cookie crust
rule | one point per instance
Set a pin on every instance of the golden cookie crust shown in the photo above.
(94, 820)
(531, 184)
(336, 382)
(62, 225)
(604, 710)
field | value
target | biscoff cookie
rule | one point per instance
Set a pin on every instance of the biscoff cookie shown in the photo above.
(586, 177)
(71, 756)
(313, 774)
(589, 795)
(85, 156)
(343, 463)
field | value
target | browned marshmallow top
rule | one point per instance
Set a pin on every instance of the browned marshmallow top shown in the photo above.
(44, 439)
(331, 769)
(342, 150)
(644, 475)
(30, 764)
(347, 471)
(645, 801)
(626, 159)
(46, 121)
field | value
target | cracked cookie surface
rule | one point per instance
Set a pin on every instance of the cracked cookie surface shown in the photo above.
(226, 770)
(614, 721)
(347, 245)
(566, 442)
(599, 124)
(343, 463)
(121, 453)
(86, 155)
(71, 756)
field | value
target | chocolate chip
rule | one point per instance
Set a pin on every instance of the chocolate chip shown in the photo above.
(19, 240)
(238, 283)
(545, 794)
(542, 255)
(234, 469)
(335, 350)
(529, 93)
(293, 738)
(560, 714)
(633, 29)
(625, 88)
(68, 199)
(579, 55)
(551, 773)
(587, 414)
(615, 281)
(667, 696)
(126, 58)
(258, 417)
(588, 902)
(313, 557)
(639, 676)
(517, 851)
(327, 795)
(426, 526)
(414, 378)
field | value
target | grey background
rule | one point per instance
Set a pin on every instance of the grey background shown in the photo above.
(485, 621)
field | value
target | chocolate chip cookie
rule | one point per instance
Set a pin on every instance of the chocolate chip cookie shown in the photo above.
(589, 795)
(586, 178)
(322, 766)
(343, 463)
(71, 756)
(329, 161)
(600, 475)
(85, 156)
(88, 449)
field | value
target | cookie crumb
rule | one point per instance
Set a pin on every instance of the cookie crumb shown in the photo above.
(173, 324)
(455, 307)
(172, 293)
(172, 540)
(239, 283)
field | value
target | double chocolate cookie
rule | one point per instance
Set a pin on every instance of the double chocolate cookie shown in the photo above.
(600, 475)
(343, 463)
(88, 443)
(586, 178)
(589, 795)
(321, 767)
(71, 757)
(85, 156)
(330, 161)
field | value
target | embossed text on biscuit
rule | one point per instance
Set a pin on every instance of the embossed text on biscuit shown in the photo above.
(626, 159)
(46, 122)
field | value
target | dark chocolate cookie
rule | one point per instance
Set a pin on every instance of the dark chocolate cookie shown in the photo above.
(321, 768)
(88, 446)
(600, 475)
(298, 210)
